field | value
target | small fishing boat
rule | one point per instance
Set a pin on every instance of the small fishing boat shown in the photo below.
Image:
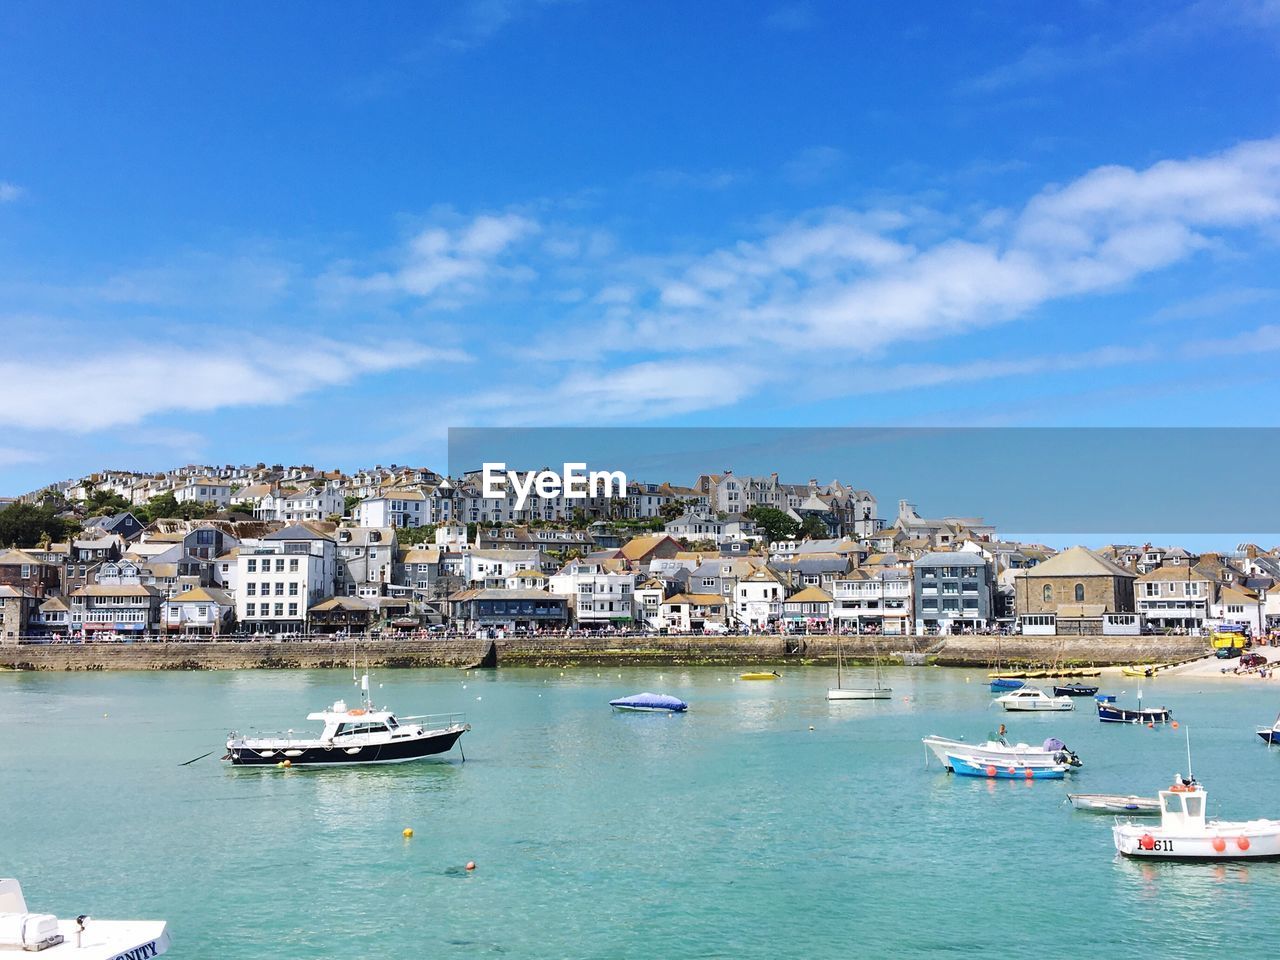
(1074, 690)
(1185, 834)
(760, 676)
(1115, 803)
(973, 767)
(841, 692)
(352, 737)
(1033, 699)
(1147, 670)
(1270, 734)
(1006, 683)
(82, 938)
(1053, 752)
(650, 703)
(1108, 712)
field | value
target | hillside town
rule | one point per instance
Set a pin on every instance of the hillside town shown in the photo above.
(276, 552)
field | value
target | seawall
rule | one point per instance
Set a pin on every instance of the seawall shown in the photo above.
(973, 651)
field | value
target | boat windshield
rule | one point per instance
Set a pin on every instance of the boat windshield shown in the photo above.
(1172, 803)
(1194, 805)
(350, 729)
(391, 722)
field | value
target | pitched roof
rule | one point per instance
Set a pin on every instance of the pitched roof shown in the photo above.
(202, 595)
(810, 595)
(296, 532)
(697, 599)
(1077, 562)
(639, 547)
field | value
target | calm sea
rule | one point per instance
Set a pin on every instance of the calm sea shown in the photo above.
(733, 831)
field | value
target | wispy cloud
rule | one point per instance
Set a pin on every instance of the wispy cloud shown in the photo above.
(130, 383)
(10, 191)
(791, 17)
(1214, 304)
(814, 165)
(14, 456)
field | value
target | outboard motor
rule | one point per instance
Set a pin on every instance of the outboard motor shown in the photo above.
(1061, 753)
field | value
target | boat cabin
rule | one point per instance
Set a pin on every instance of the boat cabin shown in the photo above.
(342, 722)
(1182, 806)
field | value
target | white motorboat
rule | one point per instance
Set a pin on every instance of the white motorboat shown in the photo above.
(1115, 803)
(83, 938)
(841, 692)
(1184, 832)
(357, 736)
(1053, 752)
(1033, 699)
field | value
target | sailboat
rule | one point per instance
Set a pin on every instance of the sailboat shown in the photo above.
(841, 692)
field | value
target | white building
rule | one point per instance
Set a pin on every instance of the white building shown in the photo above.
(201, 610)
(490, 568)
(280, 577)
(878, 603)
(598, 596)
(203, 490)
(404, 508)
(366, 560)
(757, 599)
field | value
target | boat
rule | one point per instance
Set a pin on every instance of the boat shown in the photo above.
(972, 767)
(1108, 712)
(1074, 690)
(351, 737)
(650, 703)
(1115, 803)
(1185, 834)
(83, 938)
(841, 692)
(1142, 671)
(1006, 683)
(1033, 699)
(1053, 752)
(1270, 734)
(760, 676)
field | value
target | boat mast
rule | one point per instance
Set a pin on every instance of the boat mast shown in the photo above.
(839, 662)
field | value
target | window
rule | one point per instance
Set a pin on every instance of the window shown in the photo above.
(293, 589)
(252, 566)
(1079, 593)
(250, 609)
(279, 609)
(250, 589)
(1152, 589)
(280, 565)
(26, 570)
(280, 589)
(1048, 593)
(293, 610)
(293, 564)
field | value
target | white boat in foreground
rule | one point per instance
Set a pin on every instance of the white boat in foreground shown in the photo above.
(1053, 752)
(82, 938)
(1185, 834)
(1034, 699)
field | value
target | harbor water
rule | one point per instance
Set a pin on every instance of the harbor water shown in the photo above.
(765, 822)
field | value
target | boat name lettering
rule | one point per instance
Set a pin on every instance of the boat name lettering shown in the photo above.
(1162, 846)
(138, 953)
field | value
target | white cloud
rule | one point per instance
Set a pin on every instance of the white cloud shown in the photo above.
(445, 260)
(14, 456)
(112, 388)
(10, 191)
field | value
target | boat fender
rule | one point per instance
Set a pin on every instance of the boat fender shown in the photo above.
(1013, 770)
(1147, 842)
(1219, 844)
(1242, 843)
(991, 771)
(1030, 774)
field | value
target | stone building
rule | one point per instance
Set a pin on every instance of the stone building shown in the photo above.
(1076, 592)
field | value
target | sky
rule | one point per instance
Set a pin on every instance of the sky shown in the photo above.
(326, 232)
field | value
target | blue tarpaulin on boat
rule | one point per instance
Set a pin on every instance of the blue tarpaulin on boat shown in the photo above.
(650, 701)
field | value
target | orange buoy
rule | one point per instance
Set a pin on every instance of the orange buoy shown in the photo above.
(1013, 769)
(407, 832)
(991, 771)
(1219, 844)
(471, 864)
(1242, 843)
(1151, 726)
(1147, 842)
(1174, 724)
(1030, 774)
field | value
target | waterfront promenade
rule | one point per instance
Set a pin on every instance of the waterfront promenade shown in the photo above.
(318, 653)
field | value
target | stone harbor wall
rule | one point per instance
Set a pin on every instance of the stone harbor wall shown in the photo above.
(969, 651)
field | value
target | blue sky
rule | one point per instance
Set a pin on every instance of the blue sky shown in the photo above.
(328, 232)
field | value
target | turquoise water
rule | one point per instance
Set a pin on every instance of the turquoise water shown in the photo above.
(733, 830)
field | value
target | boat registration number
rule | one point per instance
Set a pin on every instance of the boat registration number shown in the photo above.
(1161, 846)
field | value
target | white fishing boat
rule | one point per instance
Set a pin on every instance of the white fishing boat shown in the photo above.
(1185, 833)
(1115, 803)
(83, 938)
(841, 692)
(1053, 752)
(1034, 699)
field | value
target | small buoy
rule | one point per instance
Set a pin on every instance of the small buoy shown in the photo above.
(1151, 726)
(471, 864)
(1147, 842)
(287, 763)
(991, 771)
(479, 698)
(1030, 775)
(1242, 843)
(280, 764)
(1174, 724)
(407, 832)
(811, 726)
(1013, 770)
(1219, 844)
(104, 716)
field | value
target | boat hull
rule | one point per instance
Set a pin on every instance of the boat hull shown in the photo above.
(1020, 754)
(860, 693)
(1269, 735)
(1114, 803)
(759, 676)
(1074, 690)
(1109, 713)
(1007, 683)
(1038, 706)
(970, 767)
(310, 754)
(1238, 841)
(633, 709)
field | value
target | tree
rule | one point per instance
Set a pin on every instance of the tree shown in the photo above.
(773, 523)
(415, 535)
(813, 529)
(349, 504)
(703, 546)
(166, 506)
(671, 510)
(24, 525)
(104, 503)
(244, 506)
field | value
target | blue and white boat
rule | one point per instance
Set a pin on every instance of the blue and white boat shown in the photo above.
(650, 703)
(1011, 770)
(1108, 712)
(1006, 683)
